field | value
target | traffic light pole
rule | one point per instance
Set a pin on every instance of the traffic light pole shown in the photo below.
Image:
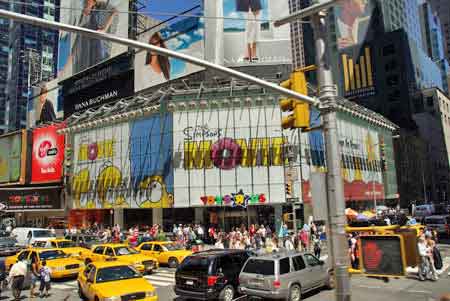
(335, 190)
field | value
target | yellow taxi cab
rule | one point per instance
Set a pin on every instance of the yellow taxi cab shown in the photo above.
(68, 246)
(61, 265)
(166, 252)
(142, 263)
(113, 280)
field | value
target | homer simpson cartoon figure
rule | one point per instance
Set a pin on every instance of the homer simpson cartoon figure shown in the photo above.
(154, 193)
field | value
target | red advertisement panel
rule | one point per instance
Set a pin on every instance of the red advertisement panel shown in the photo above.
(48, 155)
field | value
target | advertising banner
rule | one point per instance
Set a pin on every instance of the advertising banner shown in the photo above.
(151, 162)
(43, 106)
(47, 156)
(249, 33)
(105, 83)
(228, 157)
(101, 168)
(352, 22)
(182, 34)
(18, 199)
(126, 165)
(79, 52)
(13, 150)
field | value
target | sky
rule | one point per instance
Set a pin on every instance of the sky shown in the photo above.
(168, 6)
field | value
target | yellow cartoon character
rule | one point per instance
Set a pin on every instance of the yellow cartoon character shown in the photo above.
(81, 186)
(108, 180)
(154, 193)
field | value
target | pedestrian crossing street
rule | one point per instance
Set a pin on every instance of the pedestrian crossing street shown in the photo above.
(163, 277)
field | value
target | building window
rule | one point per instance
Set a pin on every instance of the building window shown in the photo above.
(388, 50)
(430, 101)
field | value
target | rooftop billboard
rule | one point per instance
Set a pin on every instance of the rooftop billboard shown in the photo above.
(79, 52)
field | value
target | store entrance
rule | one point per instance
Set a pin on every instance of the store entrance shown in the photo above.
(227, 218)
(140, 217)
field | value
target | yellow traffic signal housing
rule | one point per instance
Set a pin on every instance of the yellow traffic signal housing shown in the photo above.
(300, 110)
(287, 217)
(288, 189)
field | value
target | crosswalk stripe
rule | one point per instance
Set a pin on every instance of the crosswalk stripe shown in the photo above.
(159, 283)
(171, 279)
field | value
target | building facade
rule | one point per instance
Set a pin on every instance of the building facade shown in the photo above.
(31, 58)
(219, 160)
(442, 9)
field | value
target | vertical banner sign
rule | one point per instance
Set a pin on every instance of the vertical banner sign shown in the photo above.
(13, 149)
(47, 155)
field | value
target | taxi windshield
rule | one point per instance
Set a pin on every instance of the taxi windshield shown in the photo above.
(125, 251)
(53, 254)
(116, 273)
(172, 247)
(66, 244)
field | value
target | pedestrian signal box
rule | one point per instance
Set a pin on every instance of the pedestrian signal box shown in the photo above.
(382, 255)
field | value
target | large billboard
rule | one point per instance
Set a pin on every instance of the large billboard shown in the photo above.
(126, 165)
(47, 155)
(79, 52)
(230, 157)
(353, 19)
(250, 35)
(102, 84)
(44, 104)
(13, 151)
(184, 34)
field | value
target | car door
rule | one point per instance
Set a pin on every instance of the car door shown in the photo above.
(158, 253)
(146, 249)
(315, 269)
(89, 292)
(97, 253)
(83, 278)
(109, 253)
(301, 273)
(226, 270)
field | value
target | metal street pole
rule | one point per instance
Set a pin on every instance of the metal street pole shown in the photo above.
(163, 51)
(335, 189)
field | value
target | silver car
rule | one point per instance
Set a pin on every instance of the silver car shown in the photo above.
(284, 276)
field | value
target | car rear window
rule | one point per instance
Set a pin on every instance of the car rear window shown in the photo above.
(195, 264)
(259, 266)
(434, 220)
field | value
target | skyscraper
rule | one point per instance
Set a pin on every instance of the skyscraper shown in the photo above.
(28, 55)
(433, 40)
(442, 8)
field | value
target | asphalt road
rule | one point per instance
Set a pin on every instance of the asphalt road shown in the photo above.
(363, 288)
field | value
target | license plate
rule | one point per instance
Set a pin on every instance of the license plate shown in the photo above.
(189, 282)
(255, 283)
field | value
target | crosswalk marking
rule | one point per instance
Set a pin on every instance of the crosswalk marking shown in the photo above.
(162, 277)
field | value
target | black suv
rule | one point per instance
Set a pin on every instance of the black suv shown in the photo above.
(210, 275)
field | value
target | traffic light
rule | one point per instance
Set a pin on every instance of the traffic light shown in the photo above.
(382, 255)
(68, 156)
(383, 156)
(299, 118)
(288, 189)
(287, 217)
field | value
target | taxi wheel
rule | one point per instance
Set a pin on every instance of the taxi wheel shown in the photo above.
(173, 263)
(80, 293)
